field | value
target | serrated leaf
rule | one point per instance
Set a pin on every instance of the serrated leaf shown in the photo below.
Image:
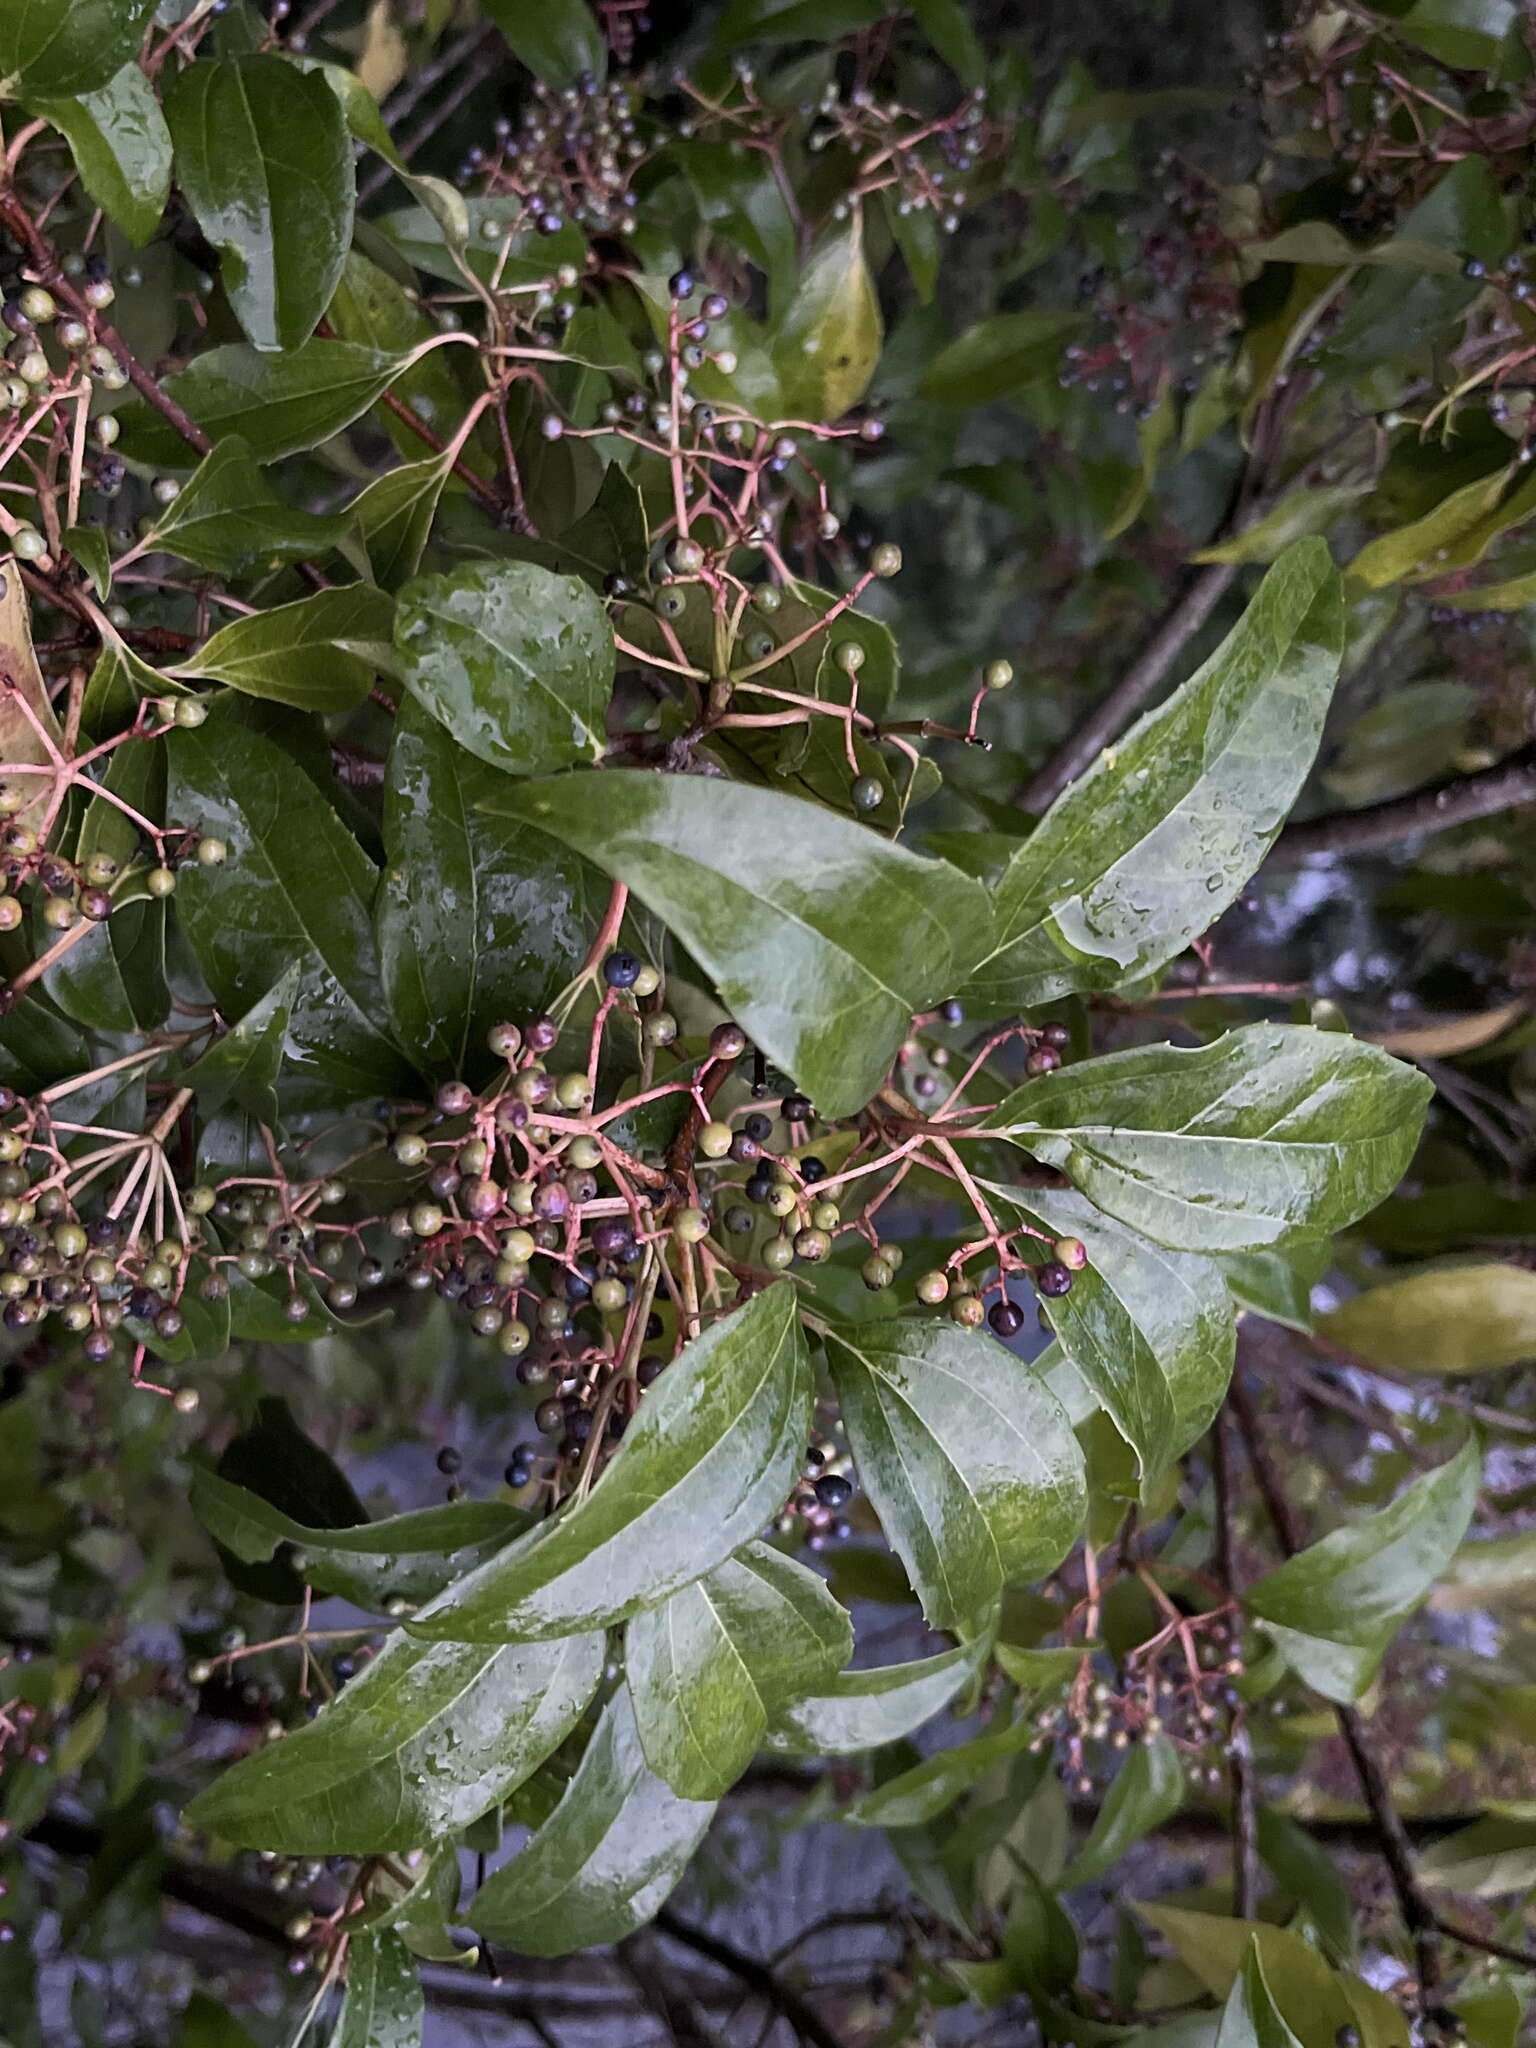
(1150, 1330)
(67, 46)
(320, 653)
(425, 1739)
(265, 163)
(1442, 1319)
(1274, 1130)
(1148, 1789)
(516, 662)
(478, 918)
(821, 937)
(828, 342)
(862, 1710)
(1250, 2018)
(412, 1556)
(967, 1458)
(385, 2006)
(296, 888)
(710, 1666)
(1160, 835)
(227, 516)
(121, 146)
(709, 1457)
(279, 405)
(606, 1859)
(1333, 1608)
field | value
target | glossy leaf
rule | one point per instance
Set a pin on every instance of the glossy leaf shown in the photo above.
(710, 1456)
(319, 654)
(1278, 1284)
(385, 2006)
(227, 516)
(967, 1457)
(821, 937)
(916, 1796)
(279, 405)
(408, 1557)
(121, 147)
(606, 1859)
(516, 662)
(1272, 1131)
(1160, 835)
(1250, 2018)
(265, 163)
(558, 40)
(709, 1667)
(67, 46)
(296, 888)
(22, 731)
(1314, 1999)
(1442, 1319)
(828, 342)
(242, 1067)
(1334, 1607)
(478, 918)
(1150, 1330)
(425, 1739)
(862, 1710)
(1306, 1871)
(395, 514)
(1148, 1789)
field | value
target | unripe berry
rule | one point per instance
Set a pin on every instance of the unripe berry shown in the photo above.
(715, 1140)
(933, 1288)
(886, 559)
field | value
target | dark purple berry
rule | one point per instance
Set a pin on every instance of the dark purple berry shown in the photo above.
(1006, 1317)
(1053, 1278)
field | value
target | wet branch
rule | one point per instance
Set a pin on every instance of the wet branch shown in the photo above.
(1461, 801)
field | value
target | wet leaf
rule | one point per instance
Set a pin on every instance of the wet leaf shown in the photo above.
(516, 662)
(559, 40)
(919, 1795)
(710, 1456)
(384, 2006)
(821, 937)
(121, 146)
(426, 1738)
(606, 1859)
(1334, 1607)
(709, 1668)
(227, 516)
(319, 654)
(1148, 1789)
(967, 1457)
(75, 46)
(1271, 1132)
(861, 1710)
(242, 1067)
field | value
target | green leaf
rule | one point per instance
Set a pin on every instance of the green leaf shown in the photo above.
(395, 515)
(999, 357)
(409, 1557)
(1465, 34)
(93, 551)
(1309, 1875)
(1148, 1789)
(1150, 1330)
(1272, 1131)
(1442, 1319)
(709, 1668)
(861, 1710)
(479, 918)
(121, 146)
(265, 163)
(114, 979)
(828, 342)
(967, 1457)
(605, 1860)
(1161, 834)
(559, 40)
(67, 46)
(425, 1739)
(20, 737)
(1314, 508)
(1250, 2018)
(1333, 1608)
(1278, 1284)
(227, 516)
(946, 26)
(1488, 1860)
(1039, 1941)
(913, 1798)
(821, 937)
(516, 662)
(280, 405)
(384, 2006)
(296, 888)
(242, 1067)
(319, 654)
(710, 1456)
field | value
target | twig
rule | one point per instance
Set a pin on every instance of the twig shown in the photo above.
(1460, 801)
(757, 1975)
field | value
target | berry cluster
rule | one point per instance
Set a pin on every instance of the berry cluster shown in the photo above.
(572, 156)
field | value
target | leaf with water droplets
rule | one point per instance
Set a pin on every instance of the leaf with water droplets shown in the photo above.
(423, 1741)
(384, 2006)
(1147, 848)
(606, 1859)
(516, 662)
(1273, 1131)
(860, 1710)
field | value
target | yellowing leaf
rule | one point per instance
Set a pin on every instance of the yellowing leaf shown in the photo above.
(1446, 1319)
(829, 343)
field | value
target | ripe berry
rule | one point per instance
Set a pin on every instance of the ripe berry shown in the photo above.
(680, 284)
(1057, 1035)
(1053, 1278)
(1043, 1060)
(621, 970)
(727, 1041)
(449, 1461)
(833, 1490)
(1006, 1317)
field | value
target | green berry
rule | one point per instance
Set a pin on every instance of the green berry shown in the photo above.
(933, 1288)
(886, 559)
(690, 1225)
(812, 1245)
(877, 1274)
(715, 1140)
